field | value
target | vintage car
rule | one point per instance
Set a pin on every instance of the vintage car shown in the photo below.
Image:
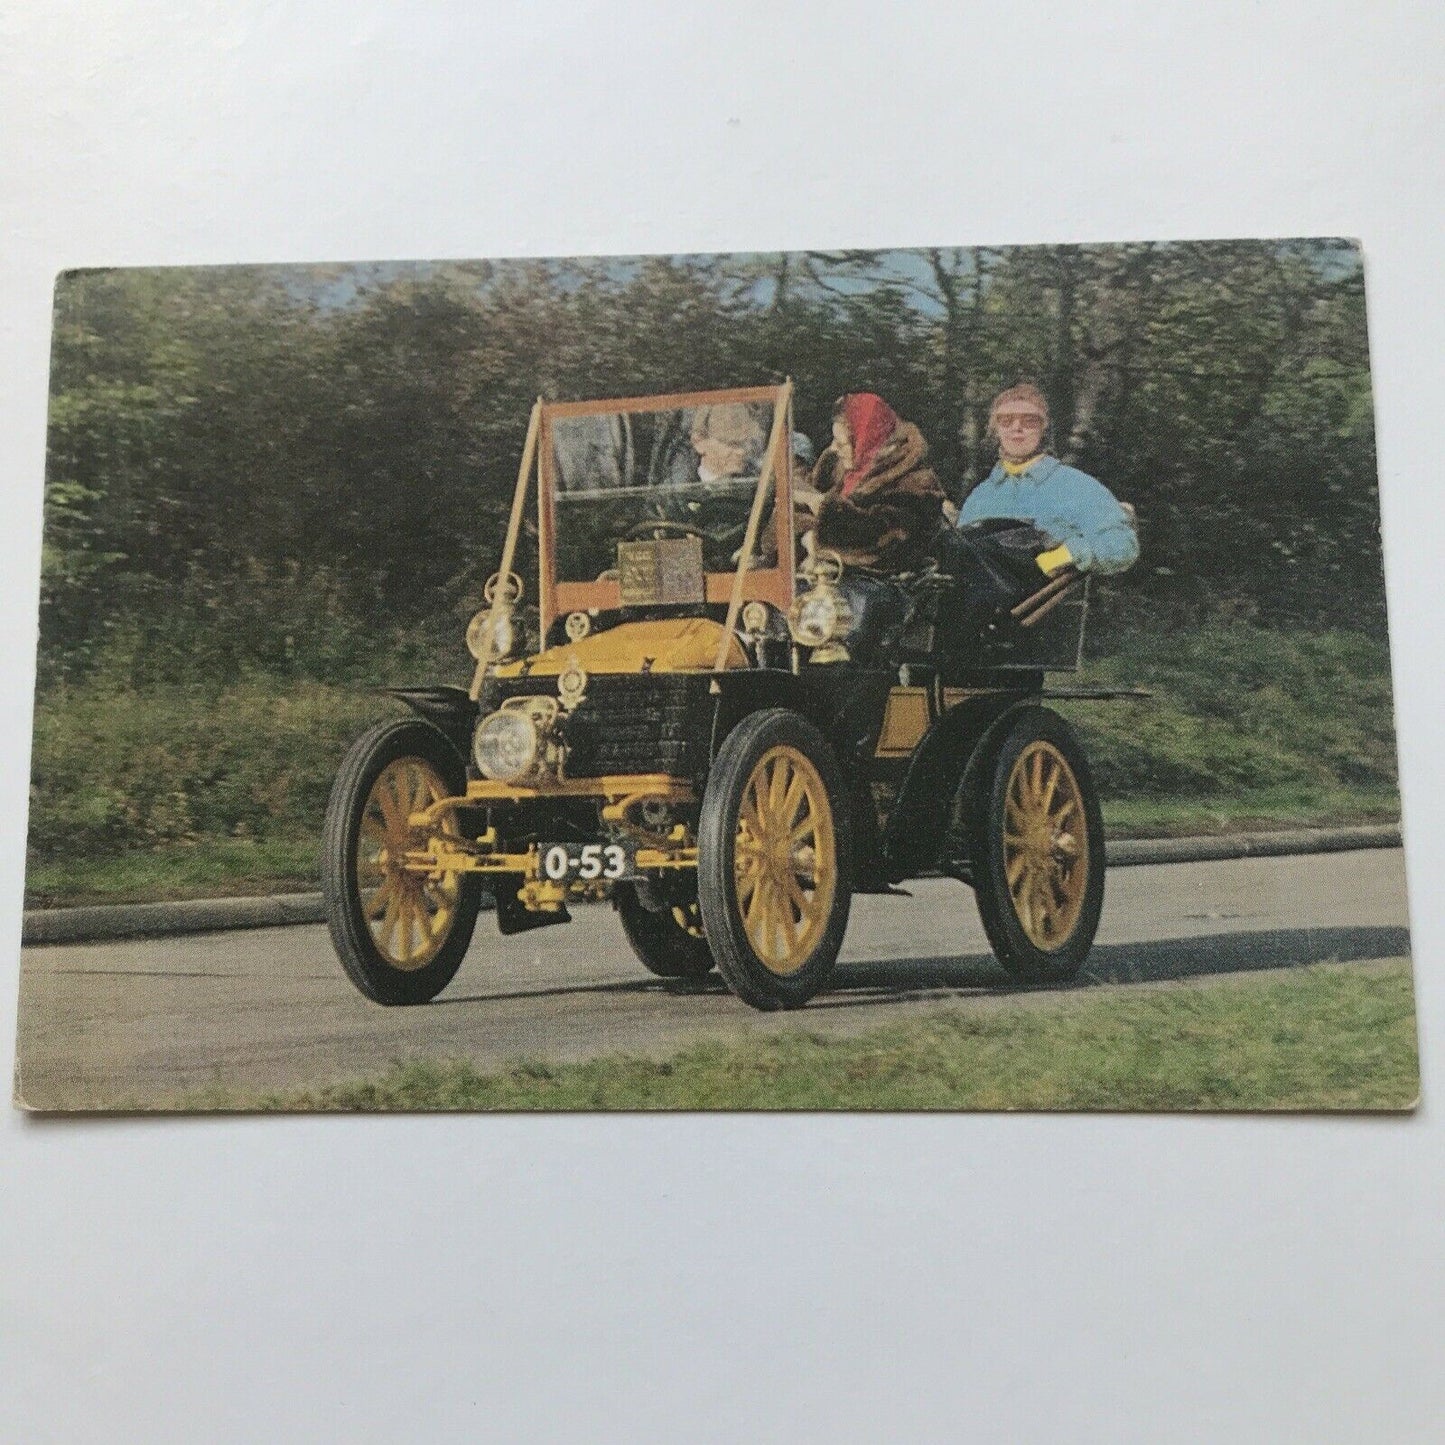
(693, 742)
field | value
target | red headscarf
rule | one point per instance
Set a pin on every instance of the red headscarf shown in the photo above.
(871, 422)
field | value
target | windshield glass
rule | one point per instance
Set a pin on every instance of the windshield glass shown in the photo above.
(685, 471)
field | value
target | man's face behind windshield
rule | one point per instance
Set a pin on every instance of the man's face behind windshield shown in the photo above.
(717, 458)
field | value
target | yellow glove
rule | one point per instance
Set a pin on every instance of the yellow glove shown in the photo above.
(1054, 560)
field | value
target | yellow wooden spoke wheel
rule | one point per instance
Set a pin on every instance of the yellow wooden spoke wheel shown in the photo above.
(1045, 839)
(1038, 850)
(400, 933)
(785, 859)
(773, 860)
(408, 913)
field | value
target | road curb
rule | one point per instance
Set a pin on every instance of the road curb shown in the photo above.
(151, 920)
(212, 915)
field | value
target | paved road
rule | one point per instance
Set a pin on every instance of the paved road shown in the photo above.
(143, 1023)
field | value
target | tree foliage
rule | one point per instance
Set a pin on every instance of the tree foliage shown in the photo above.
(278, 468)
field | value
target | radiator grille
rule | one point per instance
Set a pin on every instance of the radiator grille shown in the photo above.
(635, 723)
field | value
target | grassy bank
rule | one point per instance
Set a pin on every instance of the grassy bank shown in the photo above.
(1251, 810)
(1241, 711)
(207, 868)
(189, 790)
(1333, 1036)
(185, 791)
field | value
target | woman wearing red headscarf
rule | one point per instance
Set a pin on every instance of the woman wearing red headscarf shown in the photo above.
(881, 503)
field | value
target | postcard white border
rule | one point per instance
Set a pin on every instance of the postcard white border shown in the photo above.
(840, 1278)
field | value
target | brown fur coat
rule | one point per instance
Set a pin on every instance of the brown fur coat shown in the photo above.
(889, 518)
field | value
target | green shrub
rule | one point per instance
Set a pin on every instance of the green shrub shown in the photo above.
(1239, 707)
(118, 769)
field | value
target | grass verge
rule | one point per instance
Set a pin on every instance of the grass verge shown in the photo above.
(1259, 810)
(1324, 1037)
(208, 868)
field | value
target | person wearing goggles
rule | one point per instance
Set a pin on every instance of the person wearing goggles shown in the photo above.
(1084, 524)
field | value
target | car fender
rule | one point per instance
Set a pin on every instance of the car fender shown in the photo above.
(448, 709)
(741, 693)
(954, 748)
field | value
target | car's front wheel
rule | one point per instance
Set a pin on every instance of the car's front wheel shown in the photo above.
(400, 935)
(773, 860)
(1038, 851)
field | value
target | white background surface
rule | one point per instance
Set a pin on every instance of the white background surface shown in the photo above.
(775, 1278)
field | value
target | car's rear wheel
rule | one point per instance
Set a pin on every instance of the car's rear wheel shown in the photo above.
(400, 935)
(670, 942)
(773, 860)
(1038, 853)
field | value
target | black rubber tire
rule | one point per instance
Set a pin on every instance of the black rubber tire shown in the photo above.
(1019, 954)
(662, 945)
(745, 972)
(367, 967)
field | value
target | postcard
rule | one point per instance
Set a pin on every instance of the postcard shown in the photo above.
(949, 678)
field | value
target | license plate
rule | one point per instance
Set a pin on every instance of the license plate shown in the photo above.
(585, 862)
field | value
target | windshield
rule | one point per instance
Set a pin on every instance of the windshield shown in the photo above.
(645, 501)
(680, 472)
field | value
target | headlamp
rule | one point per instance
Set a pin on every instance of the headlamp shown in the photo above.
(506, 745)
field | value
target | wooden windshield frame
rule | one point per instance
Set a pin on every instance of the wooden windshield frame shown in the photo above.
(773, 584)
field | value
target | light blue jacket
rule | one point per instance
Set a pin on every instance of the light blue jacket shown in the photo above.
(1068, 505)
